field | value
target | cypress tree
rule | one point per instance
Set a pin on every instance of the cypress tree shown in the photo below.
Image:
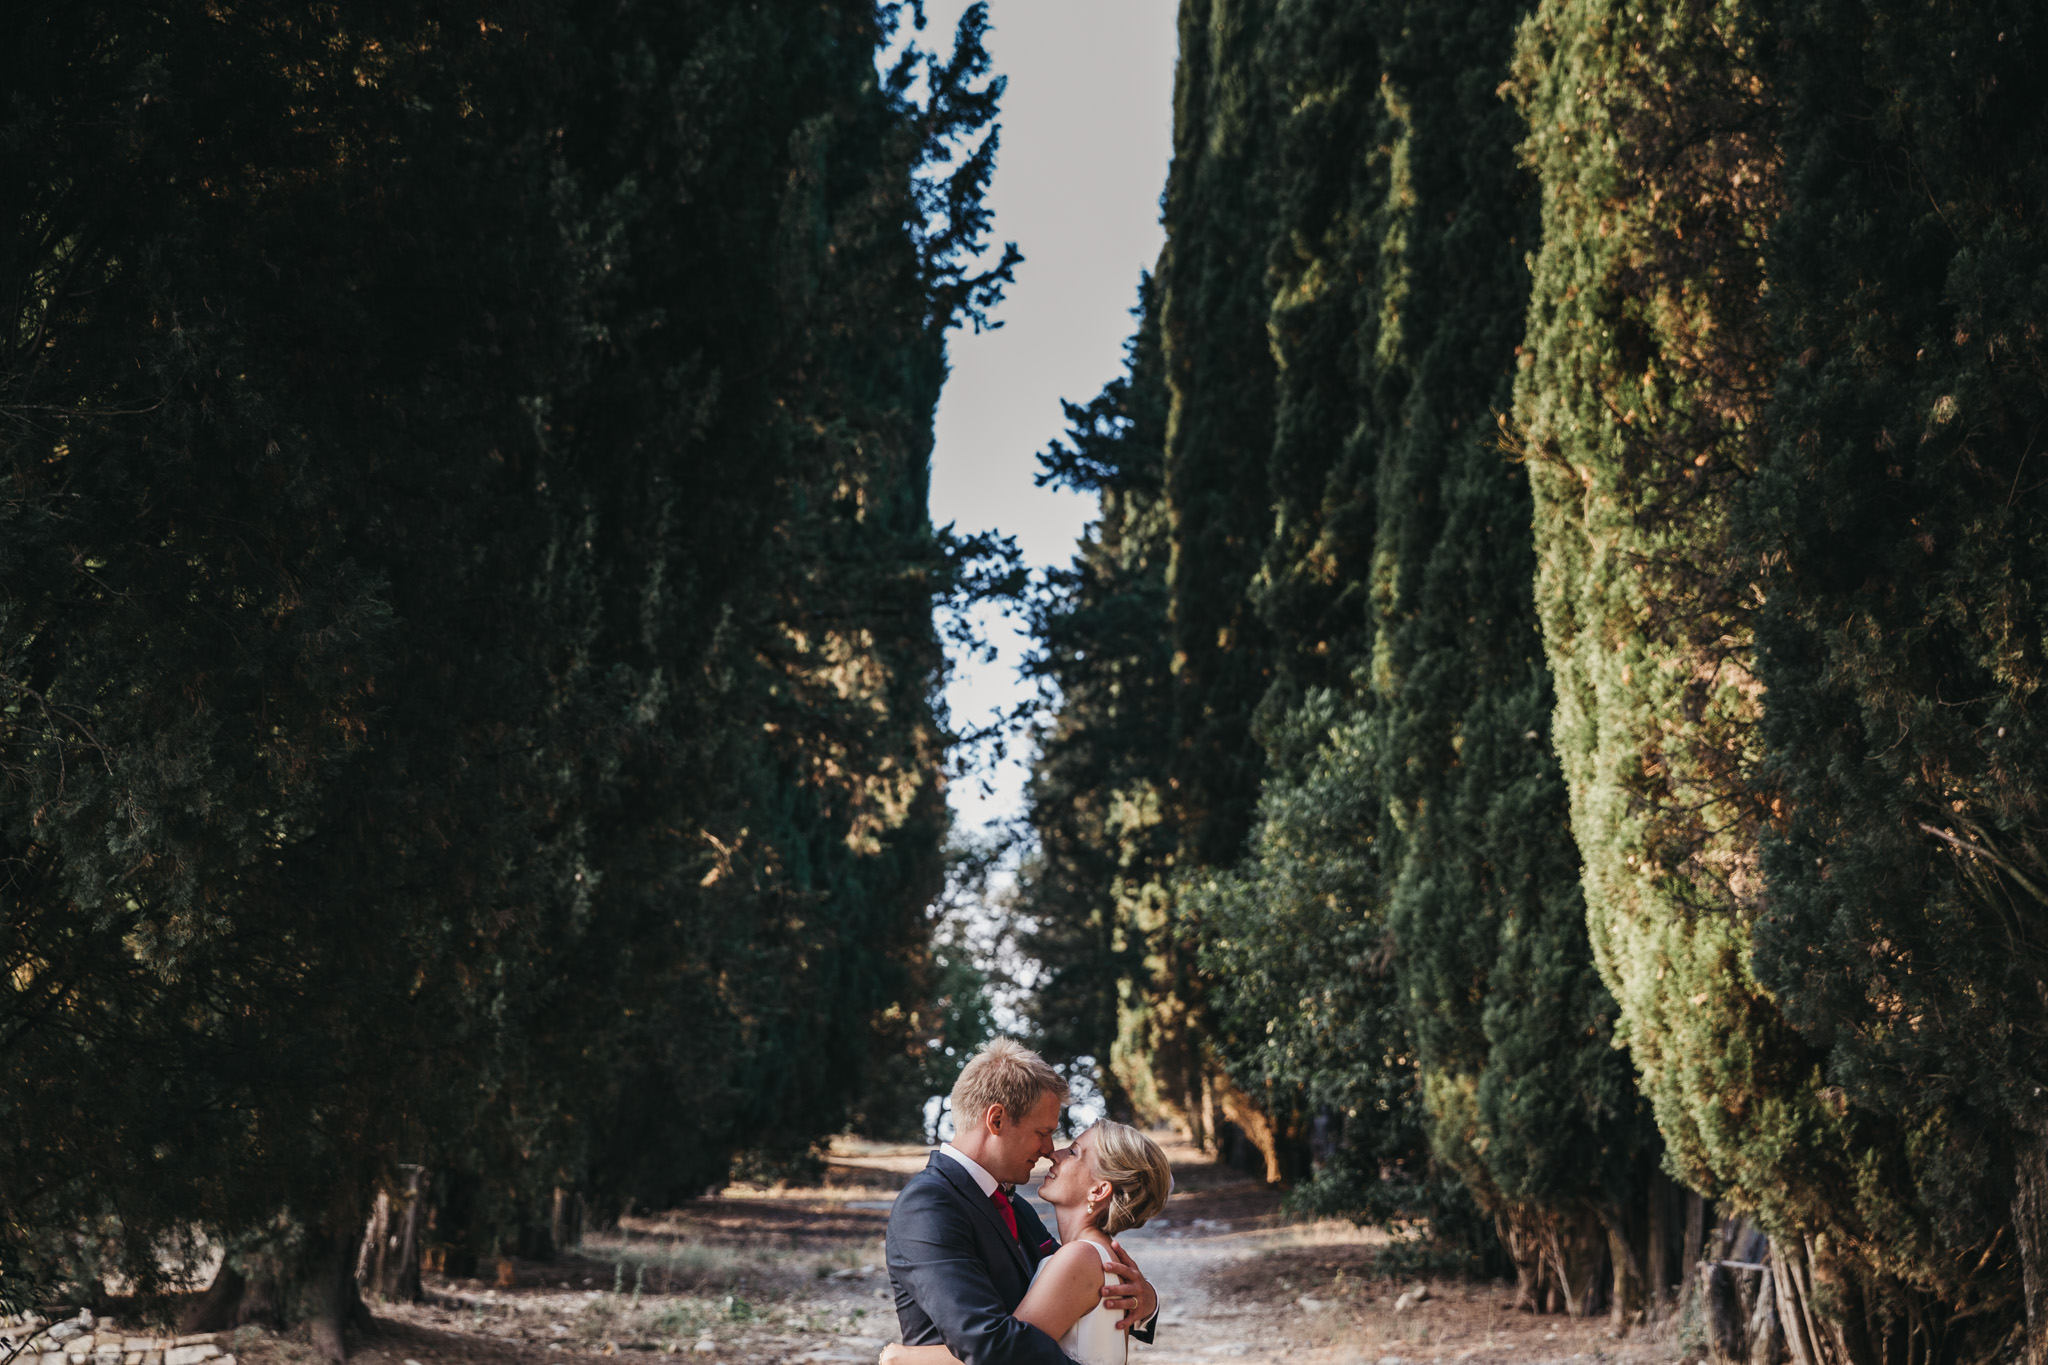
(1218, 212)
(1900, 642)
(1104, 849)
(1528, 1099)
(1646, 412)
(1407, 922)
(1185, 556)
(1413, 819)
(276, 733)
(466, 541)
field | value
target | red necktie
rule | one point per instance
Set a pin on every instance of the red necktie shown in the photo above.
(1002, 1202)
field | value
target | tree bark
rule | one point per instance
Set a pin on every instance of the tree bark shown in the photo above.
(1794, 1294)
(2030, 1230)
(1520, 1229)
(1766, 1336)
(376, 1240)
(1720, 1297)
(1695, 1240)
(1849, 1332)
(1629, 1279)
(1252, 1122)
(1659, 1239)
(1575, 1245)
(333, 1295)
(388, 1266)
(403, 1286)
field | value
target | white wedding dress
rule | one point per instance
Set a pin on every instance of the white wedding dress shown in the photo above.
(1094, 1340)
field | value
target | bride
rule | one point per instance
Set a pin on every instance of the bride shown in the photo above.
(1112, 1179)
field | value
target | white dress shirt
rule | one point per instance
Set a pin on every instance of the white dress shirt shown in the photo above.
(982, 1178)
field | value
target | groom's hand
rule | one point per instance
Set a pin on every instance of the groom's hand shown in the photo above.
(1135, 1298)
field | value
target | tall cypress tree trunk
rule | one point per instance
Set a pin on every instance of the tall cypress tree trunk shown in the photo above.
(1689, 1251)
(388, 1267)
(2030, 1230)
(1627, 1265)
(1658, 1287)
(1574, 1246)
(332, 1290)
(1520, 1228)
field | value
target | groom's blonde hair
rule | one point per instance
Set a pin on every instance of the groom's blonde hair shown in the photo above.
(1006, 1073)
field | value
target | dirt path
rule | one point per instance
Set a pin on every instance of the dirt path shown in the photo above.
(758, 1277)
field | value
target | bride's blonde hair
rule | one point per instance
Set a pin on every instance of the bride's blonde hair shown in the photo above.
(1138, 1175)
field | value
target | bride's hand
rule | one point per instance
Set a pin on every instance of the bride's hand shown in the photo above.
(891, 1354)
(1135, 1297)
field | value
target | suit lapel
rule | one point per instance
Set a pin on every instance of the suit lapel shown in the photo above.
(956, 1175)
(1037, 1244)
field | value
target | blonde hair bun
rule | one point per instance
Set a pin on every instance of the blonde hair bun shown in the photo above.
(1139, 1176)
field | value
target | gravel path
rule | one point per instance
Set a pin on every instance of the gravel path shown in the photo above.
(795, 1277)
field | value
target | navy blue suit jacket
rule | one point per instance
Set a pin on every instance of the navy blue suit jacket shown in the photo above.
(957, 1273)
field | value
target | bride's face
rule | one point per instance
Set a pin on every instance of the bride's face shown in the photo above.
(1073, 1176)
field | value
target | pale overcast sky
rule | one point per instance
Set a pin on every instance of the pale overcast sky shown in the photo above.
(1086, 137)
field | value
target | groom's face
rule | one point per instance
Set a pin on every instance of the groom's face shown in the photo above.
(1021, 1144)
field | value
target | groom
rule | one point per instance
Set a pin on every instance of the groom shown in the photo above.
(961, 1250)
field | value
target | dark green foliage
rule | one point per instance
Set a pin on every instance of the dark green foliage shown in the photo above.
(1305, 1008)
(469, 671)
(1639, 407)
(922, 1048)
(1663, 142)
(1901, 639)
(1634, 427)
(1104, 849)
(1213, 303)
(1403, 951)
(1412, 696)
(275, 772)
(1528, 1099)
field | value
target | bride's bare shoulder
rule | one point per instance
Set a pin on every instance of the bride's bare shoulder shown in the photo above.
(1078, 1258)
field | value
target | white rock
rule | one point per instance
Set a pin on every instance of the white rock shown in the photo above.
(196, 1339)
(1392, 1360)
(705, 1346)
(191, 1355)
(1312, 1304)
(64, 1331)
(1419, 1294)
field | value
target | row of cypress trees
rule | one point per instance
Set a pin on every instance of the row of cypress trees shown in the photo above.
(467, 681)
(1349, 894)
(1582, 472)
